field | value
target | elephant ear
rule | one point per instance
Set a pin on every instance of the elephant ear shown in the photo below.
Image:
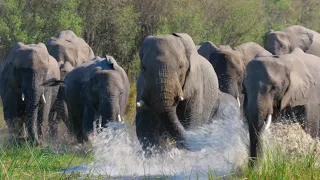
(191, 54)
(305, 39)
(300, 82)
(277, 43)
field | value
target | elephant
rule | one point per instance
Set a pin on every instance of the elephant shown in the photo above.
(70, 51)
(96, 89)
(25, 101)
(229, 65)
(177, 91)
(285, 41)
(281, 87)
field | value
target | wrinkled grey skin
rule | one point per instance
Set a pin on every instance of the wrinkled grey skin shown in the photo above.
(96, 88)
(282, 86)
(229, 64)
(229, 68)
(70, 51)
(171, 68)
(283, 42)
(26, 67)
(249, 50)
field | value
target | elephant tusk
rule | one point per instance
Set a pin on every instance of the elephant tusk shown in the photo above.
(99, 122)
(238, 101)
(119, 118)
(269, 118)
(44, 99)
(22, 97)
(181, 98)
(140, 103)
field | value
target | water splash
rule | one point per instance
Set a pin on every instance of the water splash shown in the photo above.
(224, 143)
(290, 138)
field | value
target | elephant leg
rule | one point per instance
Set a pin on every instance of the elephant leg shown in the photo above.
(55, 117)
(87, 122)
(53, 123)
(147, 131)
(76, 121)
(312, 120)
(10, 111)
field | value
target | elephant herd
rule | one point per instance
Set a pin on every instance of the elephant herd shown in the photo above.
(180, 86)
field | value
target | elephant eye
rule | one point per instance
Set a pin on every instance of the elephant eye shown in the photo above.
(273, 88)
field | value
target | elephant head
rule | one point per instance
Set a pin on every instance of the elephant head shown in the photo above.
(69, 50)
(270, 85)
(229, 68)
(109, 90)
(283, 42)
(167, 68)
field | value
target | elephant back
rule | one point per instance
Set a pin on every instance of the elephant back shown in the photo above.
(82, 72)
(249, 50)
(33, 56)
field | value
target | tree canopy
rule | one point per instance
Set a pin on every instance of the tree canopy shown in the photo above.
(117, 28)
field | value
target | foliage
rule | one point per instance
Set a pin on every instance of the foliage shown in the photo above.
(131, 106)
(117, 28)
(34, 21)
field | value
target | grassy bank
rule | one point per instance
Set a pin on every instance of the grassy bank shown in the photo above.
(29, 162)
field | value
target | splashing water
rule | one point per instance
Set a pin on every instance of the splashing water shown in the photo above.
(290, 138)
(223, 146)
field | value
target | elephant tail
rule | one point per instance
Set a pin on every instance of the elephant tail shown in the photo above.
(53, 82)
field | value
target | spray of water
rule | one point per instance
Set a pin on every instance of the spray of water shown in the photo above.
(290, 138)
(223, 147)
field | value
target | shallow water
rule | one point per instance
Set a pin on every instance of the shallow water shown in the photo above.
(224, 143)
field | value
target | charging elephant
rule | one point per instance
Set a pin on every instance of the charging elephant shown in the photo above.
(283, 42)
(24, 100)
(281, 86)
(95, 89)
(177, 90)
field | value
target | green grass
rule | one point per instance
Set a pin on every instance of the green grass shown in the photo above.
(30, 162)
(278, 165)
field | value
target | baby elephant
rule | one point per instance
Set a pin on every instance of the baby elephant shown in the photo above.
(96, 89)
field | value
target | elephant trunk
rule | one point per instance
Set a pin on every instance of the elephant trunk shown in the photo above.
(32, 99)
(109, 110)
(167, 97)
(173, 125)
(259, 119)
